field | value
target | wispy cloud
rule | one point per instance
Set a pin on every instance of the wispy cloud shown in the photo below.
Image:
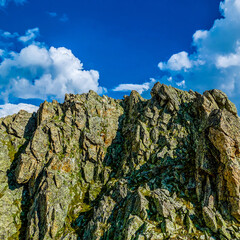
(61, 18)
(30, 35)
(1, 52)
(216, 60)
(64, 18)
(9, 35)
(137, 87)
(52, 14)
(4, 3)
(8, 38)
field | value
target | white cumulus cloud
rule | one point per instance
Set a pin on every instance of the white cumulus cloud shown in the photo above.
(137, 87)
(9, 109)
(199, 35)
(229, 60)
(39, 72)
(215, 63)
(176, 62)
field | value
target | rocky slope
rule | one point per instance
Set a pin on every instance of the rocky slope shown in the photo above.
(98, 168)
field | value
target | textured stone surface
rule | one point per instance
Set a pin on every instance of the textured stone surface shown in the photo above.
(98, 168)
(15, 132)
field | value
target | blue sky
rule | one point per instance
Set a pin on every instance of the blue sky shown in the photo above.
(49, 48)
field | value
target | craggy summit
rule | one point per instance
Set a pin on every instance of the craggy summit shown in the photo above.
(98, 168)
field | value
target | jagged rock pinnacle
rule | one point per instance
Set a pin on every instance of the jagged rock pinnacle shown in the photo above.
(98, 168)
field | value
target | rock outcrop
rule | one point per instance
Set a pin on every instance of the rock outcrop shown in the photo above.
(98, 168)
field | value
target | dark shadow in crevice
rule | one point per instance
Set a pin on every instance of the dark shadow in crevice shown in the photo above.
(12, 183)
(122, 146)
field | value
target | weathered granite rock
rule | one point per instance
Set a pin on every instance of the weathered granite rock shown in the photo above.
(98, 168)
(15, 132)
(210, 219)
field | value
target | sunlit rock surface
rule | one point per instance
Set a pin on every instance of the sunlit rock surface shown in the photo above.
(98, 168)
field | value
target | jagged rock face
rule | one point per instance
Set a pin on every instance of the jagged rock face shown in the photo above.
(98, 168)
(15, 132)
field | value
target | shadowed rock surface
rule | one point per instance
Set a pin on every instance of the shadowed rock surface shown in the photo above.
(133, 169)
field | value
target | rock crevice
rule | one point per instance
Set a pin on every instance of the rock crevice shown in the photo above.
(98, 168)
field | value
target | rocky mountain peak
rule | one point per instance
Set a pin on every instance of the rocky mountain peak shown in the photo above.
(98, 168)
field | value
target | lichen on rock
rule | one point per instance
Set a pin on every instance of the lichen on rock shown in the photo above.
(98, 168)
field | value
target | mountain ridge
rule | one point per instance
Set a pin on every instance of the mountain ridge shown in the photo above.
(98, 168)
